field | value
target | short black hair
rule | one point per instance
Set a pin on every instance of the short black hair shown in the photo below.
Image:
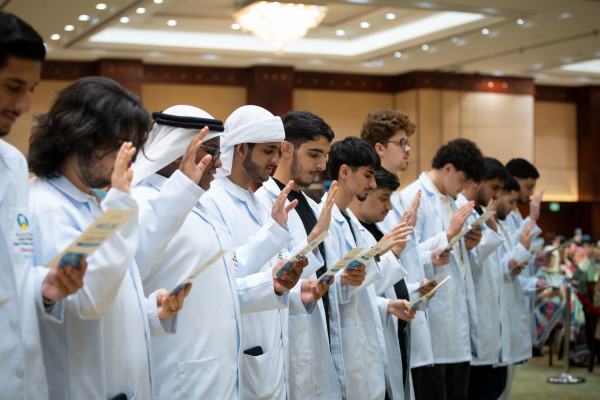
(353, 152)
(386, 180)
(304, 126)
(464, 155)
(511, 185)
(19, 39)
(91, 113)
(494, 170)
(522, 169)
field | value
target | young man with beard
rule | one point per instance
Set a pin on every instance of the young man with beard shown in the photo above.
(27, 292)
(392, 310)
(250, 152)
(208, 341)
(388, 132)
(303, 157)
(452, 311)
(526, 176)
(515, 308)
(485, 379)
(356, 334)
(103, 348)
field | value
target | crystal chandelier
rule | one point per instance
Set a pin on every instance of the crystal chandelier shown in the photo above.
(279, 24)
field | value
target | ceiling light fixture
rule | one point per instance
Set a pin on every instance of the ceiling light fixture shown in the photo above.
(485, 31)
(55, 36)
(365, 25)
(340, 32)
(235, 27)
(69, 28)
(124, 20)
(158, 1)
(100, 6)
(140, 10)
(279, 24)
(390, 16)
(520, 21)
(425, 47)
(84, 17)
(171, 22)
(398, 54)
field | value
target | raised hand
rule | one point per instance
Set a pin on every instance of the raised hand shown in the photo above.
(398, 235)
(169, 304)
(188, 165)
(290, 277)
(426, 287)
(63, 281)
(535, 205)
(515, 267)
(280, 210)
(311, 294)
(354, 277)
(414, 208)
(122, 174)
(401, 309)
(324, 220)
(458, 219)
(438, 260)
(491, 222)
(526, 235)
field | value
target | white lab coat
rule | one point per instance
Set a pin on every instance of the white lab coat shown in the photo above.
(515, 313)
(23, 375)
(392, 271)
(356, 334)
(487, 279)
(103, 347)
(202, 361)
(421, 352)
(247, 223)
(452, 312)
(311, 370)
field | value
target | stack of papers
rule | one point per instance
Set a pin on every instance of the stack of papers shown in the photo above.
(415, 304)
(341, 264)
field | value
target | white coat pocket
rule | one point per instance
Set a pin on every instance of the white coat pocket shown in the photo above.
(258, 376)
(199, 379)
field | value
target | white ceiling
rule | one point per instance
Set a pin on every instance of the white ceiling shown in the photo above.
(553, 33)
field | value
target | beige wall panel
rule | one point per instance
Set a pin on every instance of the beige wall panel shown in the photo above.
(556, 150)
(343, 111)
(451, 109)
(497, 110)
(218, 101)
(501, 143)
(560, 184)
(407, 102)
(42, 98)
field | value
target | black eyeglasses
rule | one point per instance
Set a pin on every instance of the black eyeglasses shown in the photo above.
(215, 152)
(402, 143)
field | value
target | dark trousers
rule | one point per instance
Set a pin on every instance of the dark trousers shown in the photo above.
(486, 382)
(441, 382)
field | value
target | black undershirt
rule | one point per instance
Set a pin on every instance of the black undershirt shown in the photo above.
(309, 220)
(401, 293)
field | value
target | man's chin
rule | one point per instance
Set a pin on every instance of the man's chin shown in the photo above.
(361, 198)
(3, 133)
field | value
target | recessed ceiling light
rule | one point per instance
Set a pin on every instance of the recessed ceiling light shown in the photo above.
(425, 47)
(95, 21)
(101, 6)
(140, 10)
(365, 24)
(390, 16)
(69, 28)
(454, 40)
(564, 15)
(398, 54)
(124, 20)
(372, 64)
(55, 36)
(485, 31)
(210, 57)
(171, 22)
(158, 1)
(340, 32)
(520, 21)
(84, 17)
(235, 26)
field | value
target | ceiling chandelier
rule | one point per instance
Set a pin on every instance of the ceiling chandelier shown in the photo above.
(279, 24)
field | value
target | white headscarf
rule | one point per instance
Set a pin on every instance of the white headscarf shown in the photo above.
(166, 144)
(248, 124)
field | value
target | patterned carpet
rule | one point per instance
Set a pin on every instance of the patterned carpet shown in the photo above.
(531, 382)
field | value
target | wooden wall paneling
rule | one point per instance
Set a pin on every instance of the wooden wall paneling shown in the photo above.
(271, 88)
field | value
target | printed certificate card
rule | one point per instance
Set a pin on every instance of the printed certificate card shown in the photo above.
(436, 278)
(310, 247)
(415, 304)
(99, 232)
(341, 264)
(478, 222)
(197, 272)
(367, 255)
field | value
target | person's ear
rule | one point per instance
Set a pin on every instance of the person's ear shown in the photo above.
(241, 149)
(344, 171)
(287, 149)
(380, 149)
(448, 168)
